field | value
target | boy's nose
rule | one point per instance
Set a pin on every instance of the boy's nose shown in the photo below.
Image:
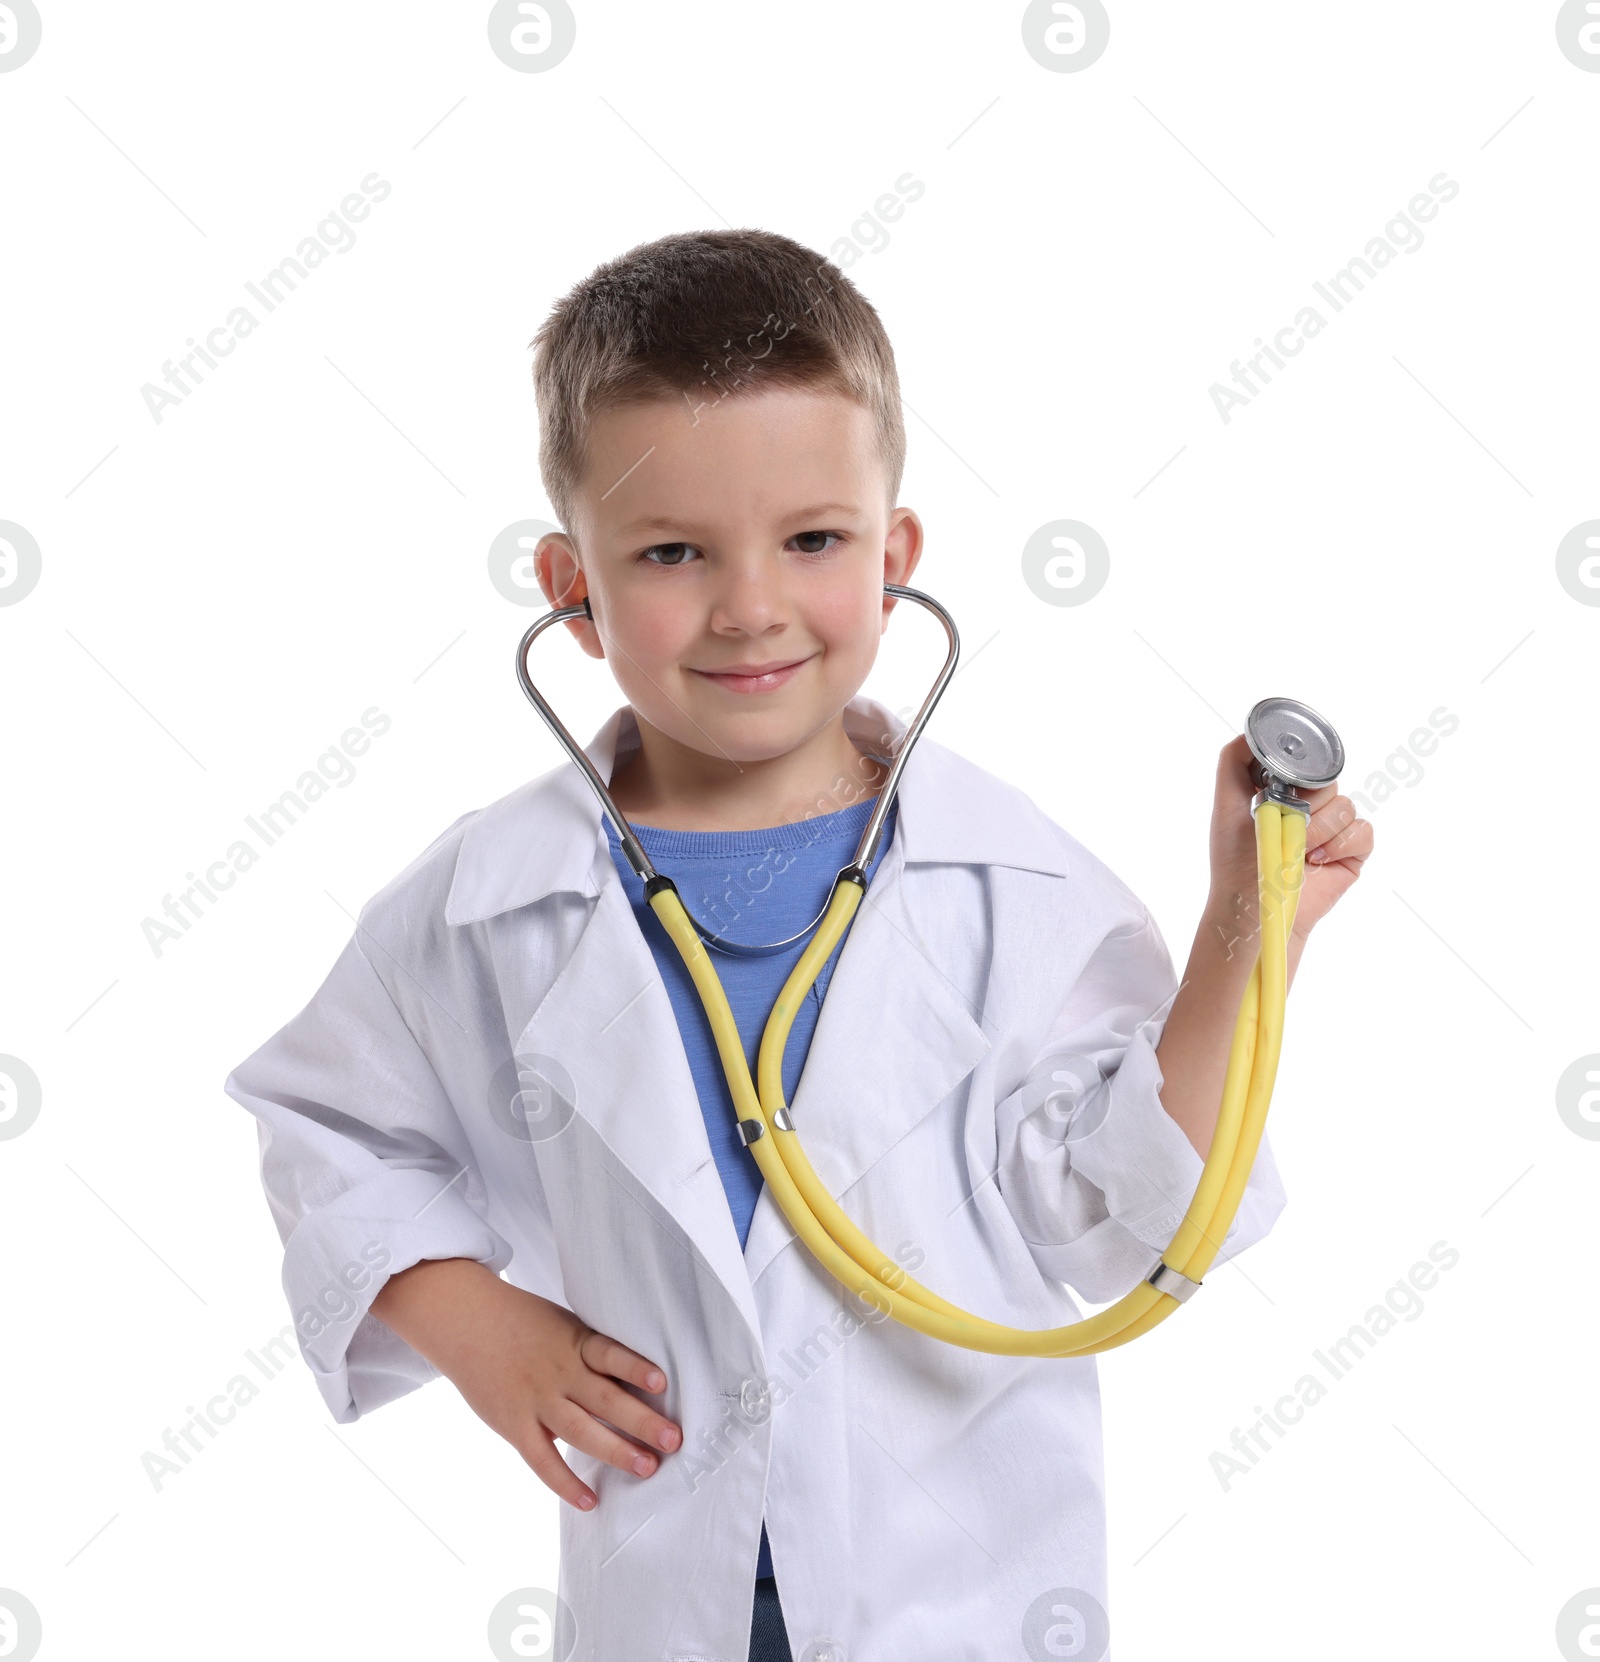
(748, 598)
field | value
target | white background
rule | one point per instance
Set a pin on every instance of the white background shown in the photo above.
(225, 591)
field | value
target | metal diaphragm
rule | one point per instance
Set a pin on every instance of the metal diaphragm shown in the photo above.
(1293, 743)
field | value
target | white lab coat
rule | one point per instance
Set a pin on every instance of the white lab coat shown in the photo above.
(920, 1497)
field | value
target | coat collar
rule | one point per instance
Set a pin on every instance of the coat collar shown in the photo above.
(547, 836)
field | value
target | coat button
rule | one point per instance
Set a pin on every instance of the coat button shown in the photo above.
(755, 1400)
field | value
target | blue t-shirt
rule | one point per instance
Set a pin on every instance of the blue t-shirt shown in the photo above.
(746, 886)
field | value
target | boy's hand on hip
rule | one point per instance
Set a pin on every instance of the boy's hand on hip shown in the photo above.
(1337, 842)
(531, 1370)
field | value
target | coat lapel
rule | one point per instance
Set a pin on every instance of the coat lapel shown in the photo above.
(610, 1023)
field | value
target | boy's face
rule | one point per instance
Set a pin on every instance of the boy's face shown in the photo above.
(758, 537)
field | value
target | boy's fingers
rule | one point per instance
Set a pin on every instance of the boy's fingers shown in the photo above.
(574, 1424)
(1352, 843)
(607, 1399)
(1329, 816)
(539, 1451)
(608, 1360)
(604, 1354)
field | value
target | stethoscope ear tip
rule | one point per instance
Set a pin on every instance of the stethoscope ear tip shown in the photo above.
(1293, 743)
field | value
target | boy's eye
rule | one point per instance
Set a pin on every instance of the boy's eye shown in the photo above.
(677, 552)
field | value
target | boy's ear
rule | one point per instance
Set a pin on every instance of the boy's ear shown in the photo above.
(561, 577)
(902, 545)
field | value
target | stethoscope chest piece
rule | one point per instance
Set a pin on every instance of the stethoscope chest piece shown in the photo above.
(1294, 747)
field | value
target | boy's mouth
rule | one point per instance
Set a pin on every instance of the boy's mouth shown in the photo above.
(754, 678)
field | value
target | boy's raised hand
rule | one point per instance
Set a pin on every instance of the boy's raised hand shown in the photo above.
(1337, 842)
(531, 1370)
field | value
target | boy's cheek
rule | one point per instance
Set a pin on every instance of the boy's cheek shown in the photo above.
(656, 646)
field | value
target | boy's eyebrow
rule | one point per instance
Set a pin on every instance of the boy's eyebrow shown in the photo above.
(661, 522)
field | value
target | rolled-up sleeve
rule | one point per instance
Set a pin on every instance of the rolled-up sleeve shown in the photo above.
(1095, 1171)
(367, 1171)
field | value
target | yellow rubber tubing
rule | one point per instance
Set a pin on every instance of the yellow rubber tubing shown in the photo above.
(860, 1265)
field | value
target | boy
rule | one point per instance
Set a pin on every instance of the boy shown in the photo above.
(507, 1069)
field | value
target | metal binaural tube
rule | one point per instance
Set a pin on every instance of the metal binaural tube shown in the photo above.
(631, 846)
(868, 847)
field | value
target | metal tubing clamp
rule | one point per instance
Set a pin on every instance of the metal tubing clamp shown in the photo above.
(1165, 1279)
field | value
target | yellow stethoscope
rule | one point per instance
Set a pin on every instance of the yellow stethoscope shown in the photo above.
(1294, 748)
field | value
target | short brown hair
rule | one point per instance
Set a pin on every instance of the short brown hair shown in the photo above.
(707, 314)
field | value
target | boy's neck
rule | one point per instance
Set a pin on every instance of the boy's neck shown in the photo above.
(675, 788)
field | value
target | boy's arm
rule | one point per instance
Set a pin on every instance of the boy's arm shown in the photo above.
(1102, 1144)
(1198, 1035)
(1096, 1173)
(390, 1264)
(367, 1171)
